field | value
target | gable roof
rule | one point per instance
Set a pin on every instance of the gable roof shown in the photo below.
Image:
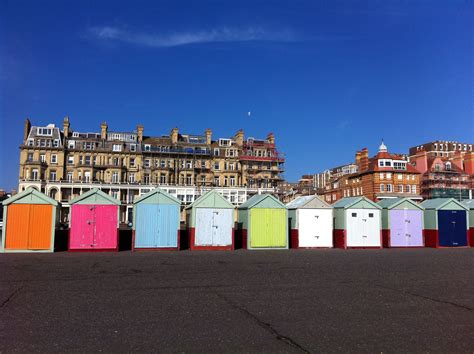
(391, 203)
(308, 202)
(95, 191)
(259, 198)
(469, 203)
(346, 203)
(209, 199)
(158, 192)
(30, 191)
(439, 203)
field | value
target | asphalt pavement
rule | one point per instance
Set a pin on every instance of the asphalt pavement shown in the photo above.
(397, 300)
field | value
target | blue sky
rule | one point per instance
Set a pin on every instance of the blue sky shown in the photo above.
(326, 77)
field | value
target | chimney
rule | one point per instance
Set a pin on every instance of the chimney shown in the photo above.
(66, 126)
(469, 163)
(26, 130)
(174, 136)
(271, 138)
(364, 160)
(103, 131)
(357, 160)
(140, 133)
(208, 133)
(457, 160)
(239, 138)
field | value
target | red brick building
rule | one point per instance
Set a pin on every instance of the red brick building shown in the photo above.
(383, 176)
(445, 174)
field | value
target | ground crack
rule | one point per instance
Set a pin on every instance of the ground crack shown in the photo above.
(267, 326)
(428, 298)
(9, 298)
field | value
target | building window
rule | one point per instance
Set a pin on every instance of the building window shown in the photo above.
(146, 179)
(30, 156)
(216, 181)
(87, 176)
(448, 166)
(87, 160)
(34, 175)
(413, 189)
(117, 147)
(400, 177)
(71, 144)
(133, 147)
(43, 158)
(52, 176)
(216, 152)
(56, 143)
(132, 162)
(382, 188)
(115, 177)
(389, 175)
(54, 158)
(400, 188)
(163, 163)
(381, 176)
(354, 215)
(389, 188)
(163, 178)
(147, 163)
(216, 166)
(232, 181)
(407, 188)
(131, 177)
(69, 177)
(45, 131)
(189, 164)
(189, 180)
(147, 147)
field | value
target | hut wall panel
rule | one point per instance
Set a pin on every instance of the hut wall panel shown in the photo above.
(169, 217)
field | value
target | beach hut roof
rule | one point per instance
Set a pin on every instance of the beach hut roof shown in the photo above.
(308, 202)
(32, 195)
(391, 203)
(352, 202)
(440, 203)
(209, 200)
(259, 198)
(158, 195)
(469, 204)
(97, 196)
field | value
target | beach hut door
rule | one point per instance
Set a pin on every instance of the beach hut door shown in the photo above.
(452, 228)
(221, 227)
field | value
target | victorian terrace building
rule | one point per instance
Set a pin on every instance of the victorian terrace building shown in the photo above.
(66, 163)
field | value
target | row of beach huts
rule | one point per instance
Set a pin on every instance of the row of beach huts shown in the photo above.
(262, 222)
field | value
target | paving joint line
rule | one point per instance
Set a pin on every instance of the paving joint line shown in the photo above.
(267, 326)
(428, 298)
(10, 297)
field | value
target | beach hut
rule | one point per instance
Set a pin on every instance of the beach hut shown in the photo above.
(470, 205)
(210, 223)
(263, 223)
(445, 223)
(94, 222)
(357, 223)
(311, 222)
(156, 221)
(30, 219)
(402, 223)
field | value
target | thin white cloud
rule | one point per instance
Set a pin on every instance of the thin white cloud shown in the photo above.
(109, 33)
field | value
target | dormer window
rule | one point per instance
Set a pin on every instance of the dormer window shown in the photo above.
(147, 147)
(117, 147)
(133, 147)
(448, 166)
(75, 135)
(45, 131)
